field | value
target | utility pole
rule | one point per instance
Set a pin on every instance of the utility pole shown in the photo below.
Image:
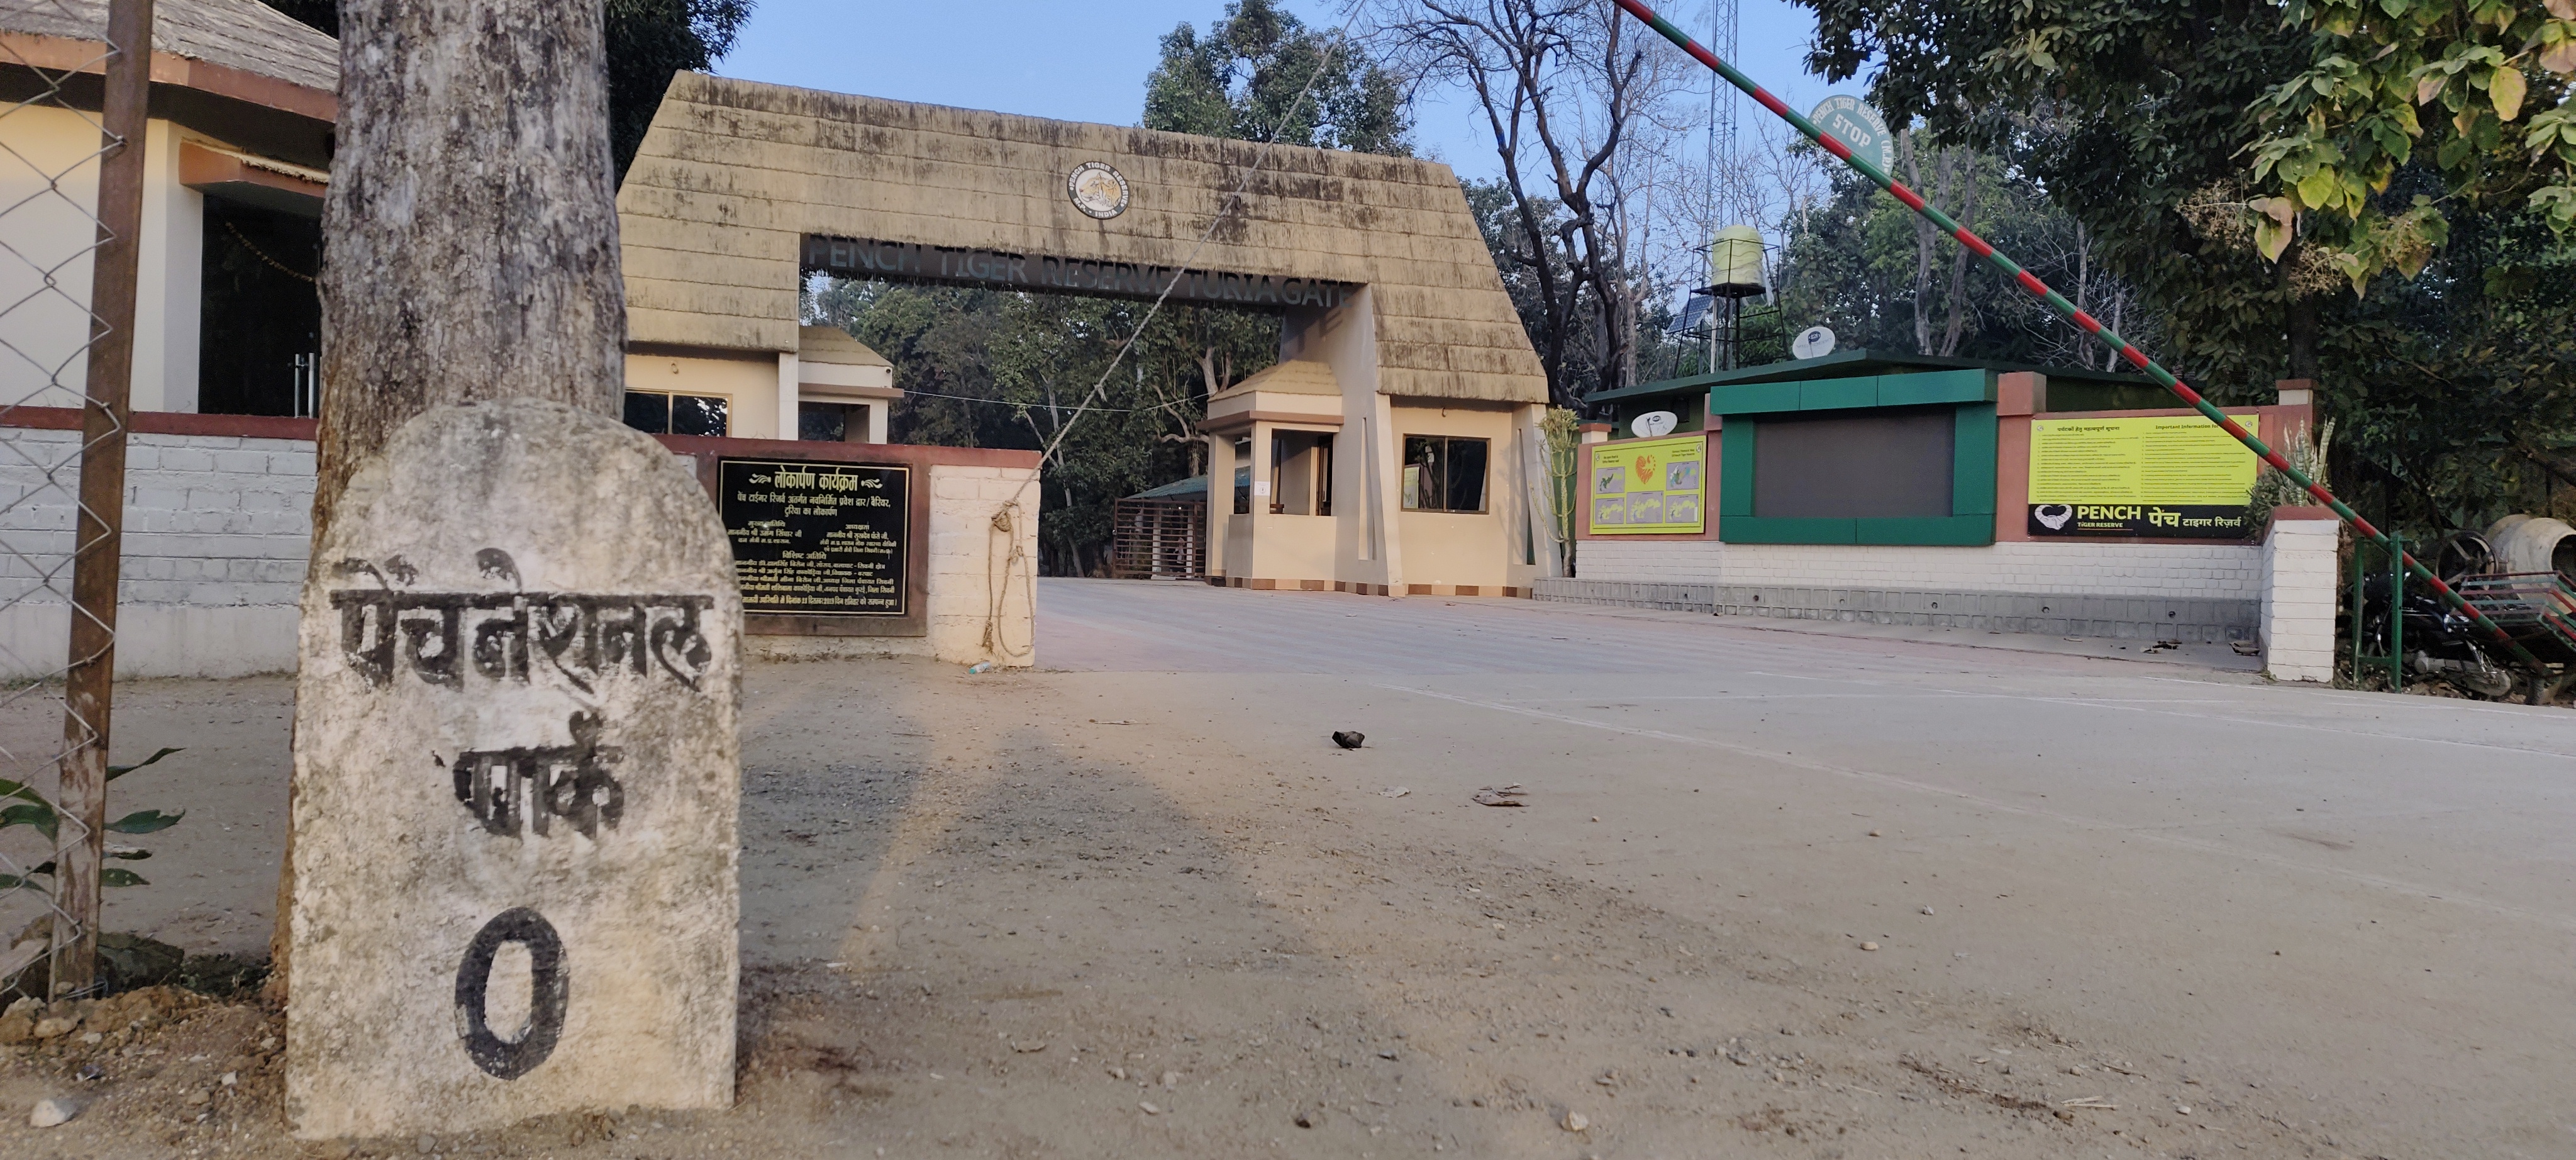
(99, 526)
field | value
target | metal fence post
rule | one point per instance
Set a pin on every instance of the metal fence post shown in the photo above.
(88, 686)
(2396, 612)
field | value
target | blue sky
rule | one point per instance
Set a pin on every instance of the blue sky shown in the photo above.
(1087, 62)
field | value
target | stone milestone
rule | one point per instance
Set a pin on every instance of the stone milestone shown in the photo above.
(516, 780)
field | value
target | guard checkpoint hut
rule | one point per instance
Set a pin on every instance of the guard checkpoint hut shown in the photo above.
(1393, 451)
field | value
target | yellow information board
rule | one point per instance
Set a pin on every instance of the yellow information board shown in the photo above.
(1648, 486)
(2165, 475)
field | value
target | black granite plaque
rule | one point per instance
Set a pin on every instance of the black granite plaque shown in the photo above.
(822, 539)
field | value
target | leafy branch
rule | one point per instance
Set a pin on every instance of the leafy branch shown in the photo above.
(2387, 79)
(31, 809)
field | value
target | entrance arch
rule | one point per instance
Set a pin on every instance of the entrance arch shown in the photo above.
(1375, 264)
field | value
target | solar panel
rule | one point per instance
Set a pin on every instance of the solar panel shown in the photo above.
(1694, 313)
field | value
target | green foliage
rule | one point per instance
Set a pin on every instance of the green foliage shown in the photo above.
(2439, 82)
(647, 41)
(1242, 79)
(2131, 114)
(986, 368)
(145, 822)
(34, 812)
(2275, 489)
(2454, 389)
(116, 771)
(1563, 431)
(38, 815)
(1581, 361)
(1851, 263)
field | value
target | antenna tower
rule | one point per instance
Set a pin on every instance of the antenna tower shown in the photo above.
(1726, 194)
(1726, 185)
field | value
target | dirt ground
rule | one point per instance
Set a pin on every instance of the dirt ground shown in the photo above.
(1064, 913)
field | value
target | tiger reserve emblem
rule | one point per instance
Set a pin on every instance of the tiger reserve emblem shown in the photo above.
(1097, 190)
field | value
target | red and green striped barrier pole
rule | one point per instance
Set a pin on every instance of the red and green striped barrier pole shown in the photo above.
(2091, 325)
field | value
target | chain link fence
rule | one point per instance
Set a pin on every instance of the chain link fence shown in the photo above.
(70, 215)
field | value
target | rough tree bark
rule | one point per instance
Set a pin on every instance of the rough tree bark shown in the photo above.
(1912, 158)
(470, 233)
(1958, 304)
(471, 229)
(2299, 318)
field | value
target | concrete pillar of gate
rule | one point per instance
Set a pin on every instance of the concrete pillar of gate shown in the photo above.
(1366, 551)
(788, 395)
(1220, 501)
(2298, 626)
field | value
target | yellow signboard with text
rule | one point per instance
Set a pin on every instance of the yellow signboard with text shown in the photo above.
(2168, 476)
(1648, 487)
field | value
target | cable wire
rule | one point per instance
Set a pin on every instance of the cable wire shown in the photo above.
(1006, 519)
(2090, 325)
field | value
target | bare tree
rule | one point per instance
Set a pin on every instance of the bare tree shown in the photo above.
(1953, 190)
(1558, 84)
(470, 233)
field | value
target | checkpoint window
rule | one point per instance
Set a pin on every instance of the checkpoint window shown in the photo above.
(832, 422)
(1442, 474)
(664, 413)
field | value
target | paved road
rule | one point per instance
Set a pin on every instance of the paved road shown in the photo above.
(2361, 903)
(2329, 924)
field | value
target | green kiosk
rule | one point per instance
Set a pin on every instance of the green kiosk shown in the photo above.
(1859, 447)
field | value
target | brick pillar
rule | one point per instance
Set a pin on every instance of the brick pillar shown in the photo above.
(2299, 594)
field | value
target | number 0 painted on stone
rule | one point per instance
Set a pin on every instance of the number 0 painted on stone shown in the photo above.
(549, 986)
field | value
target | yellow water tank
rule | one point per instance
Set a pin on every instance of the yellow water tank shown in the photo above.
(1735, 262)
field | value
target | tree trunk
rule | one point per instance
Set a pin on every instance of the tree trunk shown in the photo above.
(2299, 317)
(2119, 318)
(1922, 244)
(1958, 304)
(470, 232)
(471, 228)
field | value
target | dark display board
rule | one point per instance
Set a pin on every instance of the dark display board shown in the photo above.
(818, 539)
(1845, 465)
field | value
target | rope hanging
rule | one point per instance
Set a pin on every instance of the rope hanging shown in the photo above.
(1006, 519)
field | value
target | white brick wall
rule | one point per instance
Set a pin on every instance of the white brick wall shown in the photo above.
(2207, 571)
(217, 531)
(2299, 599)
(2292, 574)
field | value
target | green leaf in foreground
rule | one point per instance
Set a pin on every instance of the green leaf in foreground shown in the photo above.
(116, 771)
(145, 822)
(37, 814)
